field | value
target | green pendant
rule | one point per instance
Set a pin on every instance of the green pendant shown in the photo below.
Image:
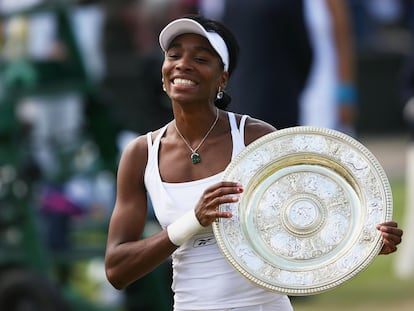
(195, 158)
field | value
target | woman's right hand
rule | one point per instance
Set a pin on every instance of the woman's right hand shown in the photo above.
(223, 192)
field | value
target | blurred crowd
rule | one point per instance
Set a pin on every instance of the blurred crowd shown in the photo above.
(84, 78)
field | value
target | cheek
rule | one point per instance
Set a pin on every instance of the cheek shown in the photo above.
(165, 70)
(164, 67)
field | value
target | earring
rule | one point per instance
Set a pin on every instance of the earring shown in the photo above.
(163, 88)
(220, 93)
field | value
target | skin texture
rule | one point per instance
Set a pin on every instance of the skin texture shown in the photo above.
(190, 57)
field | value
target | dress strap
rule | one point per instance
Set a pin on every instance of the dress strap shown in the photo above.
(242, 125)
(237, 134)
(232, 119)
(154, 146)
(149, 140)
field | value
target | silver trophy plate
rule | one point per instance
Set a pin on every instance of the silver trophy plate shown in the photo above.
(306, 220)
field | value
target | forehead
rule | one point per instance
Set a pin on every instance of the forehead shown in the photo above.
(192, 40)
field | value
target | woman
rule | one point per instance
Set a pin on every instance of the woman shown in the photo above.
(180, 166)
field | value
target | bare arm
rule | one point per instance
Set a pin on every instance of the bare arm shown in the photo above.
(128, 257)
(344, 45)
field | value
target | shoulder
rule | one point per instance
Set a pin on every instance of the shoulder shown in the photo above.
(133, 158)
(138, 147)
(135, 152)
(255, 128)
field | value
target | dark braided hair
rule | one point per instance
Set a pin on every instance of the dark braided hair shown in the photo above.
(232, 47)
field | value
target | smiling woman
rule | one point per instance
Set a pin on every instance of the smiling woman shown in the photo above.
(188, 54)
(179, 167)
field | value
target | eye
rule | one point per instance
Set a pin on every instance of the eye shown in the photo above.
(200, 59)
(173, 55)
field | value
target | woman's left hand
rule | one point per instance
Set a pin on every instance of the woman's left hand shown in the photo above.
(391, 236)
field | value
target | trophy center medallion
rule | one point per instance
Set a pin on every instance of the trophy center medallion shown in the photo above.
(303, 215)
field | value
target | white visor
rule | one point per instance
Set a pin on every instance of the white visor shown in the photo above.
(187, 25)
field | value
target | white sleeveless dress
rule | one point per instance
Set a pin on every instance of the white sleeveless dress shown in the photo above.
(202, 277)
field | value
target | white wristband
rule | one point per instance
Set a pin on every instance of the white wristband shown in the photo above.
(184, 228)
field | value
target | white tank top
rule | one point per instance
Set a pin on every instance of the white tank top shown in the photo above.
(202, 277)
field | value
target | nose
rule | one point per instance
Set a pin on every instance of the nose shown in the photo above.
(184, 63)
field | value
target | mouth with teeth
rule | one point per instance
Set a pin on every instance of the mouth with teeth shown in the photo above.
(183, 82)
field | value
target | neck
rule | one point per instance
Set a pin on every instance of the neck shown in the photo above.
(195, 155)
(194, 124)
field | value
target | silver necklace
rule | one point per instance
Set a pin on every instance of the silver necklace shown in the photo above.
(195, 156)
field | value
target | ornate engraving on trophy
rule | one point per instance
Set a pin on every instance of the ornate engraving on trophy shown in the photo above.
(306, 220)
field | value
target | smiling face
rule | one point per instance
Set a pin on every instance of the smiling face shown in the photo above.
(192, 71)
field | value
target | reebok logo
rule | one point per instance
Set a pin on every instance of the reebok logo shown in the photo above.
(204, 241)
